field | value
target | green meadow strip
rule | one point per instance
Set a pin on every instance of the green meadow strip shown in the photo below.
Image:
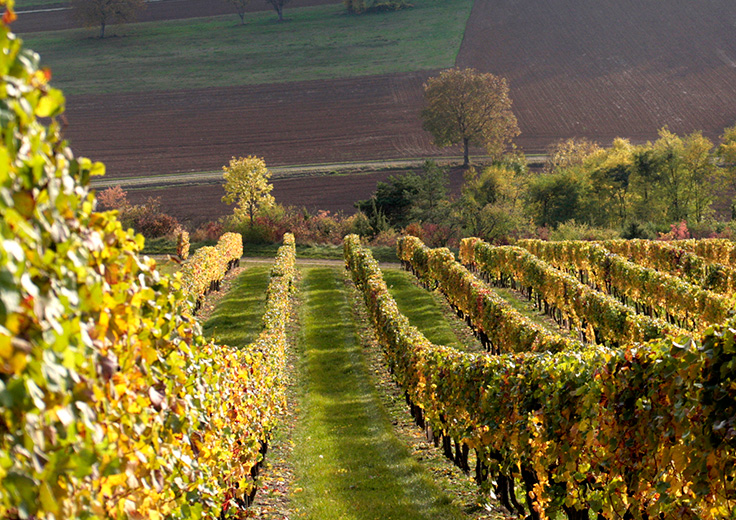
(321, 42)
(348, 462)
(422, 309)
(236, 320)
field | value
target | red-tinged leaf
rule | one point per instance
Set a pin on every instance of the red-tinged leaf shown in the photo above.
(9, 16)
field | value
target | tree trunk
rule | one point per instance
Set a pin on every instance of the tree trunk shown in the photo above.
(102, 30)
(466, 154)
(280, 10)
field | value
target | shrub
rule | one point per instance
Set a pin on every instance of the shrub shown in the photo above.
(571, 230)
(152, 224)
(391, 5)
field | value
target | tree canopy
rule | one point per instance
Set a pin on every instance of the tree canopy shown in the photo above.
(246, 183)
(91, 13)
(469, 107)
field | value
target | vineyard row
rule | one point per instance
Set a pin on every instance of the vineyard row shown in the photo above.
(638, 430)
(674, 260)
(599, 317)
(652, 292)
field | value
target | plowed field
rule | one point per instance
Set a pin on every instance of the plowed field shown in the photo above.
(607, 69)
(312, 122)
(196, 204)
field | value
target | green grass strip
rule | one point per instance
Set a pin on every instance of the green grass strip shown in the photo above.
(321, 42)
(527, 309)
(421, 308)
(348, 461)
(236, 320)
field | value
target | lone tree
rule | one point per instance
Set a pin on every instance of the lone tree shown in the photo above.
(246, 183)
(91, 13)
(240, 6)
(464, 105)
(278, 6)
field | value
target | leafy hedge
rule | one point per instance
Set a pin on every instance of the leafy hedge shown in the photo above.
(636, 431)
(672, 259)
(656, 293)
(112, 405)
(716, 250)
(252, 384)
(206, 268)
(497, 322)
(600, 316)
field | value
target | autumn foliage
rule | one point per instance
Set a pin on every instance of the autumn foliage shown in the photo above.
(638, 431)
(469, 107)
(113, 404)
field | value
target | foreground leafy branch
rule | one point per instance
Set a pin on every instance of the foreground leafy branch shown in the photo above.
(112, 404)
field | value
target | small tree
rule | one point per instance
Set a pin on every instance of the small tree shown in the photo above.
(278, 6)
(429, 201)
(246, 183)
(463, 105)
(91, 13)
(240, 6)
(568, 153)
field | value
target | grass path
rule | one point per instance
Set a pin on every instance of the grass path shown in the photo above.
(350, 465)
(236, 320)
(527, 308)
(425, 311)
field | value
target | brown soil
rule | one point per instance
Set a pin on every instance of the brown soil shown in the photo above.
(336, 193)
(311, 122)
(607, 69)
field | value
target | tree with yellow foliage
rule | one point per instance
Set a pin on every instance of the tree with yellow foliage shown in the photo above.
(246, 183)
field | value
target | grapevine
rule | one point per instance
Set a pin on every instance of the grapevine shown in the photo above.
(652, 292)
(113, 404)
(598, 315)
(635, 431)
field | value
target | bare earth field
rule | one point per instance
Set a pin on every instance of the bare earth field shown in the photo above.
(607, 69)
(312, 122)
(576, 68)
(336, 193)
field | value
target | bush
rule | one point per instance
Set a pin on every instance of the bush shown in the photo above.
(571, 230)
(208, 232)
(392, 5)
(153, 224)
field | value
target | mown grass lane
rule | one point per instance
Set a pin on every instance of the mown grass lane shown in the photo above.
(348, 460)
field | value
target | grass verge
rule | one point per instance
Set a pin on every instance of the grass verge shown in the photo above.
(236, 321)
(24, 5)
(466, 494)
(424, 311)
(349, 464)
(322, 42)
